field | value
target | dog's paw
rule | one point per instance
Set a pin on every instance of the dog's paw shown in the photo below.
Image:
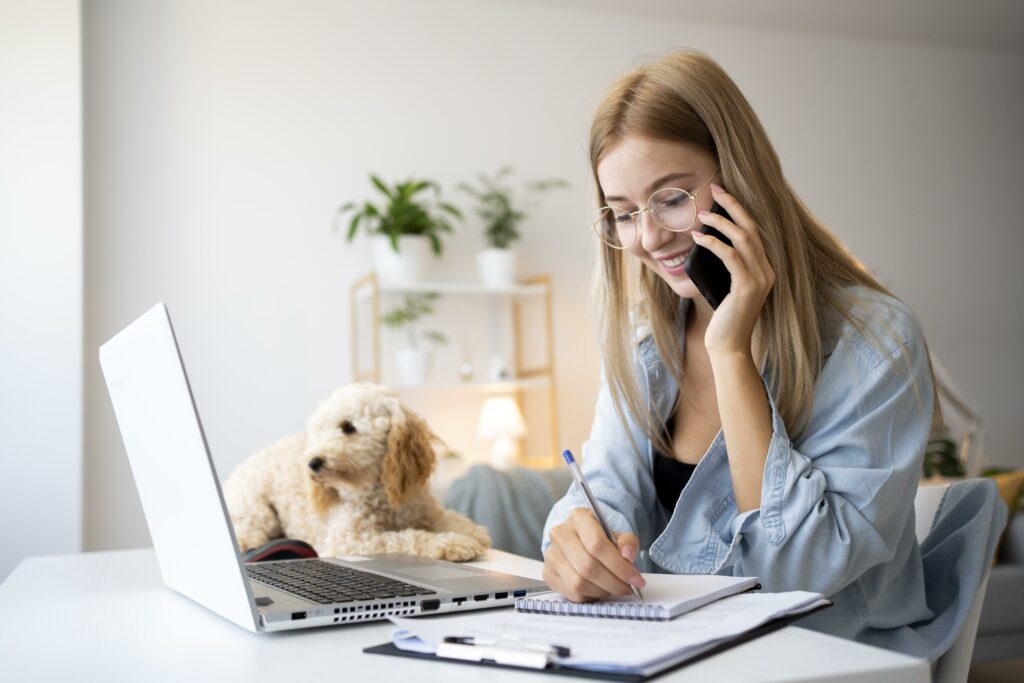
(480, 534)
(456, 547)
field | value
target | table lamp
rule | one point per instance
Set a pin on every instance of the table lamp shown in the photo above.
(501, 420)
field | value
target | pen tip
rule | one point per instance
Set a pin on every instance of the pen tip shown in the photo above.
(567, 454)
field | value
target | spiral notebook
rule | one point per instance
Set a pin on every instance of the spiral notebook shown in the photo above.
(666, 596)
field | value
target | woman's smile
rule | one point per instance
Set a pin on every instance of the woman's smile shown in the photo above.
(673, 265)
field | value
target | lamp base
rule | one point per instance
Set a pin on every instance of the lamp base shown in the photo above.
(504, 453)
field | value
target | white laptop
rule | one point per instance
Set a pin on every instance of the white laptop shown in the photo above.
(192, 535)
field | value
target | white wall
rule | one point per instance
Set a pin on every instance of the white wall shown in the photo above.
(221, 137)
(40, 280)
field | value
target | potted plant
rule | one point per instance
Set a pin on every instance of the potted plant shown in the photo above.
(402, 227)
(413, 362)
(502, 210)
(941, 458)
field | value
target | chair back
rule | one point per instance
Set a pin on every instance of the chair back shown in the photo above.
(926, 506)
(955, 664)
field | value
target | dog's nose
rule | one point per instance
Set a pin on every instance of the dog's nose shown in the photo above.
(316, 464)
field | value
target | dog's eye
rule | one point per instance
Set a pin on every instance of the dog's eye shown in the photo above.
(347, 427)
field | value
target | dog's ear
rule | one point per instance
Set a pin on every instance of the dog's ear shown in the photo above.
(410, 457)
(322, 497)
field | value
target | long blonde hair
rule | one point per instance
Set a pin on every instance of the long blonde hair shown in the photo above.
(687, 97)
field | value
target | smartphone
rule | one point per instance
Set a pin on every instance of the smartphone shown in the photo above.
(707, 270)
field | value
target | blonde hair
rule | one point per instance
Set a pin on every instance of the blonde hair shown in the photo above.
(687, 97)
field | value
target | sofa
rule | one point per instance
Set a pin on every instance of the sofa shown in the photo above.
(1001, 628)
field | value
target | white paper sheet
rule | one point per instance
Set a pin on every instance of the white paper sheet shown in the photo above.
(615, 644)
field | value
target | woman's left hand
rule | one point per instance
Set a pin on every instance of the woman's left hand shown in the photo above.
(732, 325)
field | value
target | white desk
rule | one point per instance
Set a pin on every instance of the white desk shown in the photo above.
(107, 617)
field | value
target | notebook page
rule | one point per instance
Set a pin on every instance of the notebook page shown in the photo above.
(665, 596)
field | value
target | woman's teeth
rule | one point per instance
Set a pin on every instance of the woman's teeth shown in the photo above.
(674, 262)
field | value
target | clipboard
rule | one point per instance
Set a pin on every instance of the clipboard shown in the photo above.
(768, 627)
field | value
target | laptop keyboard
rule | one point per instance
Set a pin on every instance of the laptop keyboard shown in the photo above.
(326, 583)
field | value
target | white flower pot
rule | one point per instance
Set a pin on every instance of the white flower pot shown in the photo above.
(404, 267)
(413, 366)
(497, 267)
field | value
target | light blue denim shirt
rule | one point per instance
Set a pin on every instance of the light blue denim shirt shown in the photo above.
(837, 505)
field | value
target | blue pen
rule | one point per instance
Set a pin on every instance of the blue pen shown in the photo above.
(577, 474)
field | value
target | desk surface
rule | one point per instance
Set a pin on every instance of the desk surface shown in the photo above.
(107, 617)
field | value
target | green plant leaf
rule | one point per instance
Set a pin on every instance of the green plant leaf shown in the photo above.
(468, 189)
(546, 185)
(435, 336)
(499, 206)
(379, 184)
(448, 208)
(353, 226)
(403, 213)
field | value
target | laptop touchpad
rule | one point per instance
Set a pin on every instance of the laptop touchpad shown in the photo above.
(439, 573)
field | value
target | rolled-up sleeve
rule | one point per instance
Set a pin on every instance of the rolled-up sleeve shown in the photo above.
(839, 504)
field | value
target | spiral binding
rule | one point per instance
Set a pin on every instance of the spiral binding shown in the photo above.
(610, 610)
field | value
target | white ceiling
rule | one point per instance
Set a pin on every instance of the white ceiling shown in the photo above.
(996, 25)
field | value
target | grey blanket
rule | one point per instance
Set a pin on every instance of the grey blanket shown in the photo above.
(513, 504)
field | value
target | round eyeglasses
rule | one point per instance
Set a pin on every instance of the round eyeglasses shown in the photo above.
(672, 208)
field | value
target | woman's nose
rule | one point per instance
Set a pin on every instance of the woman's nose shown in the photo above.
(652, 235)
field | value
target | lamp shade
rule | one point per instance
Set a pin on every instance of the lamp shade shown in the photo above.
(500, 418)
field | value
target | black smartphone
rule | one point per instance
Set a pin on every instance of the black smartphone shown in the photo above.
(707, 270)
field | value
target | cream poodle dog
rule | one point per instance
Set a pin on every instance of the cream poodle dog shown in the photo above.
(354, 483)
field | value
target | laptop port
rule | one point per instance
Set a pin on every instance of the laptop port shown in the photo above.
(298, 615)
(518, 594)
(500, 596)
(459, 601)
(480, 598)
(430, 605)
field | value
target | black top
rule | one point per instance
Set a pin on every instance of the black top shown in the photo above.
(670, 475)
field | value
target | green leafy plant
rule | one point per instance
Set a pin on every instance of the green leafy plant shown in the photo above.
(501, 207)
(941, 457)
(414, 308)
(404, 211)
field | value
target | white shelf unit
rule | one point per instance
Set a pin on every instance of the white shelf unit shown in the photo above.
(367, 291)
(452, 288)
(507, 387)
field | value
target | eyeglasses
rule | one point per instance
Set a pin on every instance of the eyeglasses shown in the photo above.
(672, 208)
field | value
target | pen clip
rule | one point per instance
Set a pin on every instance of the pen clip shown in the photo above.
(556, 650)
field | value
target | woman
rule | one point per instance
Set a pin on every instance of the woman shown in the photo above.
(779, 435)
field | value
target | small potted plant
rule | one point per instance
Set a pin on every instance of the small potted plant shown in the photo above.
(403, 227)
(502, 210)
(941, 458)
(413, 362)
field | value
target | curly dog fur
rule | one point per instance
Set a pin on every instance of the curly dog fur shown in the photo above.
(354, 483)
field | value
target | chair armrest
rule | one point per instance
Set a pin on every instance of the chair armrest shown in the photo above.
(1012, 550)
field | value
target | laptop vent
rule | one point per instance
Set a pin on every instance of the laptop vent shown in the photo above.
(368, 612)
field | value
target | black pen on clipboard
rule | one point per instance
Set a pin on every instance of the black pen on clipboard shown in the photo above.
(577, 474)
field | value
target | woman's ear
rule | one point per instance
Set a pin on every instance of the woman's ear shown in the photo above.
(410, 457)
(320, 496)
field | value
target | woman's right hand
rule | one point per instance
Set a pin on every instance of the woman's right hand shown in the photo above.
(583, 565)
